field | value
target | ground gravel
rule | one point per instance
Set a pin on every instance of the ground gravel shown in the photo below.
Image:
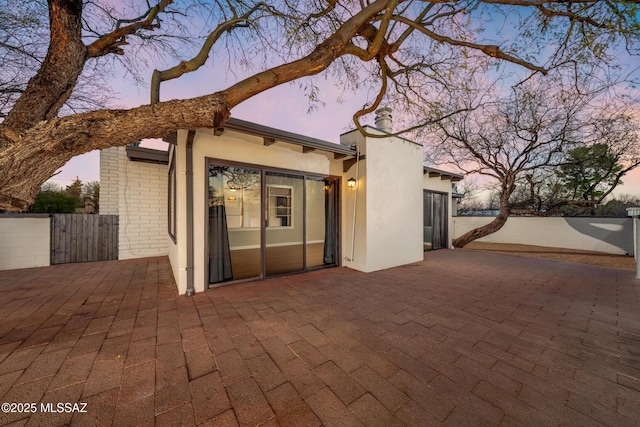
(560, 254)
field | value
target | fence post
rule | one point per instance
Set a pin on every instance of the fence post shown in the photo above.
(635, 213)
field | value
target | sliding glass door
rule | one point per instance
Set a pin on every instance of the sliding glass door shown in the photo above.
(435, 220)
(264, 222)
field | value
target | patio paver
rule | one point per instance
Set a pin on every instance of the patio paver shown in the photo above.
(462, 338)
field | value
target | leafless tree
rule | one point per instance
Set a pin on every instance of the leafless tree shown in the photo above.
(24, 40)
(523, 140)
(470, 201)
(406, 47)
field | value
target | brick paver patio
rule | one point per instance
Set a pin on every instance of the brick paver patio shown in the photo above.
(463, 338)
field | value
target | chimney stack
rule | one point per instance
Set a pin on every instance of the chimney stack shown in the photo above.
(383, 119)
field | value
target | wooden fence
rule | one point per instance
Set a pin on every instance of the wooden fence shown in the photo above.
(83, 238)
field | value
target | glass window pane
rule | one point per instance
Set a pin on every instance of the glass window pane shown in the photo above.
(285, 223)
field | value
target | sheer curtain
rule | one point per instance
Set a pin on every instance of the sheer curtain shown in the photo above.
(330, 223)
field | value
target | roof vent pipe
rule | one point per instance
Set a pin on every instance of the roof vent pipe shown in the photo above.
(383, 119)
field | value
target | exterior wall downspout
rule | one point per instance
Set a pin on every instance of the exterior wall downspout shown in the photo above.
(189, 182)
(355, 205)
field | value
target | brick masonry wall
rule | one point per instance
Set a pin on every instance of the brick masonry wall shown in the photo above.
(109, 167)
(137, 192)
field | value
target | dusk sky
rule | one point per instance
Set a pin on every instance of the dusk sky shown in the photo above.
(284, 107)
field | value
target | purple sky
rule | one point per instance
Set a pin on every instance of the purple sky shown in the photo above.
(284, 107)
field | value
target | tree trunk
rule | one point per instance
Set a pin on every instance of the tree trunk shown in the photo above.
(508, 186)
(29, 158)
(33, 144)
(51, 87)
(485, 230)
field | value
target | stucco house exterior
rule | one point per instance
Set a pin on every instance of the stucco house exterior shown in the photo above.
(247, 201)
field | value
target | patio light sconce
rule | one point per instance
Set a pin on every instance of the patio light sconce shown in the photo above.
(351, 183)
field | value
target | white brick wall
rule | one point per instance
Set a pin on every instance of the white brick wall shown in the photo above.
(137, 192)
(109, 181)
(24, 242)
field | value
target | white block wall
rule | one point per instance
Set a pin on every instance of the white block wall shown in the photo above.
(24, 242)
(137, 192)
(609, 235)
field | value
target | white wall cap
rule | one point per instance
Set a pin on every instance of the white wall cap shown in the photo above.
(633, 211)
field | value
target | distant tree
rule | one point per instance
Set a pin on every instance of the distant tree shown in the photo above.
(50, 186)
(76, 197)
(54, 202)
(91, 196)
(618, 207)
(591, 173)
(75, 190)
(577, 186)
(470, 203)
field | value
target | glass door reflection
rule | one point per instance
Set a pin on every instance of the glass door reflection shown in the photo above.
(234, 223)
(284, 213)
(264, 223)
(435, 220)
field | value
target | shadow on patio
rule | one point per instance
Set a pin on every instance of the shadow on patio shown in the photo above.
(463, 338)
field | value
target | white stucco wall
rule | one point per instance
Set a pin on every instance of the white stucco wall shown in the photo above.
(25, 242)
(437, 184)
(390, 219)
(609, 235)
(230, 146)
(394, 203)
(137, 192)
(354, 246)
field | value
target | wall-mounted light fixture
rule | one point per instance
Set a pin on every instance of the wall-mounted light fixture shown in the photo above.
(351, 183)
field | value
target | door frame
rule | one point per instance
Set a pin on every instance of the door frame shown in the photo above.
(263, 190)
(445, 222)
